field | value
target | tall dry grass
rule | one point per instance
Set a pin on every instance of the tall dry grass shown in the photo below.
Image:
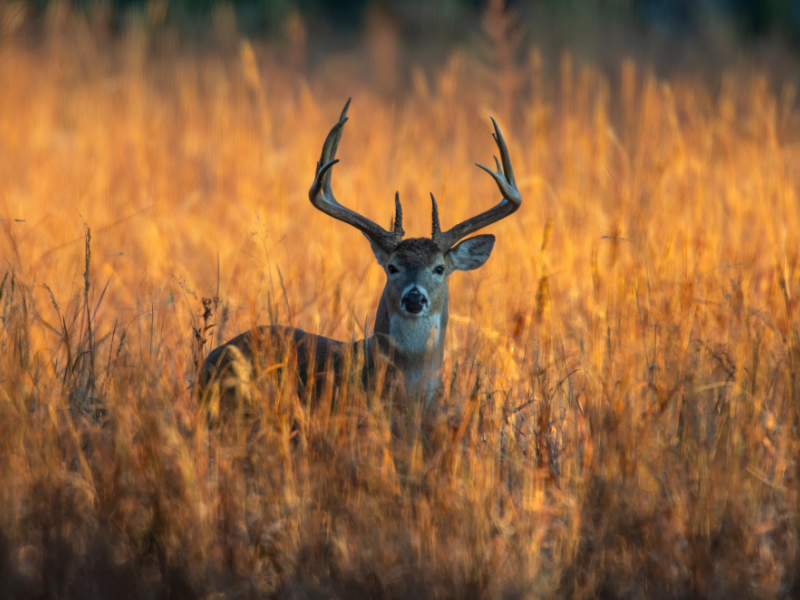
(625, 365)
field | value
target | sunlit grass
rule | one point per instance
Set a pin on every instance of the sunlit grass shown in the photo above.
(633, 431)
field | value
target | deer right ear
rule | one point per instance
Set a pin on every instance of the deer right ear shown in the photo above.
(380, 253)
(471, 253)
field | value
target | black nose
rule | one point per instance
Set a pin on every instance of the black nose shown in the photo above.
(414, 301)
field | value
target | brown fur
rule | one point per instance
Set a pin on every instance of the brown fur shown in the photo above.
(416, 251)
(253, 351)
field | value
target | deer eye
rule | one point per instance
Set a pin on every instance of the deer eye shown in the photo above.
(391, 269)
(439, 270)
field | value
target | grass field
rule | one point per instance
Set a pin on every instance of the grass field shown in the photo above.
(625, 366)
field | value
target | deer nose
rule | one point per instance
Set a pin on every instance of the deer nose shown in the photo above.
(414, 301)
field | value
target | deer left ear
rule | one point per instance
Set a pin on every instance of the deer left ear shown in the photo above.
(380, 253)
(471, 253)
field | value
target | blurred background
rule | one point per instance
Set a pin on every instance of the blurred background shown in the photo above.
(671, 33)
(751, 18)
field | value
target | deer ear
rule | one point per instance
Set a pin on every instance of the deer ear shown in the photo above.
(380, 253)
(471, 253)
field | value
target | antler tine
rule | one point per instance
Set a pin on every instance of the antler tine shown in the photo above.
(504, 177)
(398, 232)
(436, 229)
(321, 194)
(338, 136)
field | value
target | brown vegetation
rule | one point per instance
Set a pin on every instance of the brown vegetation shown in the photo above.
(625, 366)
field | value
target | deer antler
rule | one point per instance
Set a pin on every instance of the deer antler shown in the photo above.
(504, 176)
(321, 195)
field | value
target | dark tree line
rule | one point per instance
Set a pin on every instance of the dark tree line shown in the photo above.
(752, 18)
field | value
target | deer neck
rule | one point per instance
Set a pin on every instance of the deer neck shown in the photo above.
(418, 347)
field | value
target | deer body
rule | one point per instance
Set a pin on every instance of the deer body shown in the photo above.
(412, 315)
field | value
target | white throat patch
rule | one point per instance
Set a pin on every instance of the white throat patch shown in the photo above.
(413, 335)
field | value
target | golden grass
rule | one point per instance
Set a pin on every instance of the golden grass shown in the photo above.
(634, 429)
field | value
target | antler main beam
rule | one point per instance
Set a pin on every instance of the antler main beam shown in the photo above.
(504, 177)
(321, 195)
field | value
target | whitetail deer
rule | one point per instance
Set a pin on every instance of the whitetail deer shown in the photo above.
(411, 321)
